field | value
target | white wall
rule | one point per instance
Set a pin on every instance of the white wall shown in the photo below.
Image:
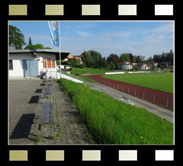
(17, 59)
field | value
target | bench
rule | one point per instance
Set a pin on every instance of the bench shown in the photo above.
(50, 84)
(46, 116)
(126, 100)
(48, 91)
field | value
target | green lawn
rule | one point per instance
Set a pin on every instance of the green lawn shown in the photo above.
(158, 81)
(114, 122)
(88, 70)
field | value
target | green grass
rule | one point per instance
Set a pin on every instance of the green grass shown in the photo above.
(113, 122)
(157, 81)
(85, 70)
(85, 79)
(88, 70)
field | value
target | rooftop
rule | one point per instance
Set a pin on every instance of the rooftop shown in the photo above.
(37, 50)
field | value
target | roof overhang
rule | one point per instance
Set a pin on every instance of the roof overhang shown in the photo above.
(64, 54)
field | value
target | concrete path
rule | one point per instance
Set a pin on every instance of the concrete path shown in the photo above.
(25, 100)
(153, 108)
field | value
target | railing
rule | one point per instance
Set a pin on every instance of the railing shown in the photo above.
(159, 100)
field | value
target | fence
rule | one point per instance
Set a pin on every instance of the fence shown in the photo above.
(156, 99)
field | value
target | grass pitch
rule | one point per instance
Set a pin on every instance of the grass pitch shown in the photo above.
(157, 81)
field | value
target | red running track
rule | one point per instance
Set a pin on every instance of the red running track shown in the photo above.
(155, 96)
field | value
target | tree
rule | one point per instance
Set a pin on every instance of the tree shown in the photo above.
(171, 57)
(153, 67)
(112, 65)
(47, 48)
(138, 60)
(36, 46)
(125, 57)
(134, 59)
(16, 38)
(91, 58)
(131, 57)
(114, 58)
(103, 62)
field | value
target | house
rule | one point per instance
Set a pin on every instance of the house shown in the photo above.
(32, 63)
(143, 66)
(153, 63)
(77, 58)
(125, 65)
(134, 64)
(164, 64)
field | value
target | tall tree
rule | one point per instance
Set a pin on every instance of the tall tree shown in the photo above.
(114, 58)
(16, 37)
(131, 57)
(125, 57)
(91, 58)
(138, 60)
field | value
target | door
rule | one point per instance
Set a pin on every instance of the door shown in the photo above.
(33, 63)
(30, 67)
(26, 67)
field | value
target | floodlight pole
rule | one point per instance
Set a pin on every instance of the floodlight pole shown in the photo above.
(59, 47)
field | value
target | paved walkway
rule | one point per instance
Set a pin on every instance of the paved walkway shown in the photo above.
(25, 99)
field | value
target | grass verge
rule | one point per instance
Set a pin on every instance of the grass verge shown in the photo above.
(113, 122)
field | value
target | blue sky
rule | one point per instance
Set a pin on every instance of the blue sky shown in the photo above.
(144, 38)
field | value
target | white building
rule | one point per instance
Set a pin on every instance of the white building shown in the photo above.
(32, 63)
(144, 66)
(125, 65)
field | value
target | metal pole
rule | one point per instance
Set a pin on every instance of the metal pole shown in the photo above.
(46, 66)
(167, 103)
(59, 47)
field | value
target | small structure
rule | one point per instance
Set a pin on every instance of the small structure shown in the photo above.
(33, 63)
(64, 66)
(126, 100)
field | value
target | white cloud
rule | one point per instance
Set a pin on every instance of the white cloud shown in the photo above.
(164, 29)
(83, 33)
(67, 26)
(88, 25)
(118, 34)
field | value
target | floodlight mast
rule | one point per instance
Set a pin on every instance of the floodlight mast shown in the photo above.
(59, 47)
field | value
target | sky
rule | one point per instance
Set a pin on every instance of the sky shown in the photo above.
(145, 38)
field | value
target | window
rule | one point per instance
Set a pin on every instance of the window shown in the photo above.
(10, 64)
(44, 63)
(50, 63)
(53, 64)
